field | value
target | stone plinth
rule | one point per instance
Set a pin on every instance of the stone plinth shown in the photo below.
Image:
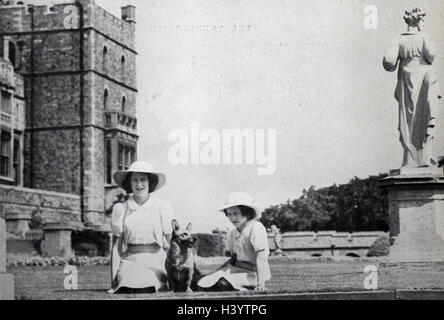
(6, 280)
(18, 222)
(57, 239)
(416, 209)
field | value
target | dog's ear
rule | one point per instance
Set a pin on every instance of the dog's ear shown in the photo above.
(175, 225)
(189, 226)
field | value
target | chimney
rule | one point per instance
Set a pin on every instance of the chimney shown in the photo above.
(129, 13)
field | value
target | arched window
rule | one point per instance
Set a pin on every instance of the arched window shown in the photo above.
(122, 68)
(123, 104)
(105, 60)
(12, 53)
(105, 100)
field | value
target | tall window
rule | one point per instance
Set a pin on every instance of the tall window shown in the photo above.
(122, 68)
(105, 60)
(126, 156)
(105, 100)
(121, 158)
(16, 161)
(108, 159)
(5, 153)
(12, 53)
(123, 104)
(6, 102)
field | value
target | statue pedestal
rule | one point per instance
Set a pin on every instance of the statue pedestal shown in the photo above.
(6, 286)
(6, 279)
(416, 209)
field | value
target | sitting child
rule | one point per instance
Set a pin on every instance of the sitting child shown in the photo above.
(248, 246)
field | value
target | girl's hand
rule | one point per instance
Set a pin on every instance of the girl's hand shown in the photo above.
(260, 288)
(166, 242)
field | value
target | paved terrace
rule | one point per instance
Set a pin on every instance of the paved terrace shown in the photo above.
(291, 279)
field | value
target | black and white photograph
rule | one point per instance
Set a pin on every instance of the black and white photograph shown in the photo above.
(242, 150)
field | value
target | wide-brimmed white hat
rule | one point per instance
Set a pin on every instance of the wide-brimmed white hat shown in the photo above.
(141, 167)
(241, 199)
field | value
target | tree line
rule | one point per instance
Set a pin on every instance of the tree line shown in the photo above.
(360, 205)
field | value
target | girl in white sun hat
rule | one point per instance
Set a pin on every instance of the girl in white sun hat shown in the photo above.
(247, 244)
(141, 228)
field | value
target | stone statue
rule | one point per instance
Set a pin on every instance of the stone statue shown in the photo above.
(412, 53)
(277, 239)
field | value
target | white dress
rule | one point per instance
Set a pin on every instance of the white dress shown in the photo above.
(142, 225)
(245, 245)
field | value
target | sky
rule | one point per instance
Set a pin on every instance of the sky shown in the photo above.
(309, 70)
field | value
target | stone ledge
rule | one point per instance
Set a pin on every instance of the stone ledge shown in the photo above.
(105, 228)
(417, 171)
(42, 192)
(18, 216)
(413, 180)
(405, 294)
(352, 295)
(420, 294)
(385, 263)
(58, 226)
(388, 294)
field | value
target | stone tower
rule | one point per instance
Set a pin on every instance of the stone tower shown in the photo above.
(78, 62)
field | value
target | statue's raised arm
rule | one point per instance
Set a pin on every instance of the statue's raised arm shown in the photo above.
(412, 53)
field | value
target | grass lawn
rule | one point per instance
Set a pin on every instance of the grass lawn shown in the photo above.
(288, 276)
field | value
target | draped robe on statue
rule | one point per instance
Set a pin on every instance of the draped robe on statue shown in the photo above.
(416, 93)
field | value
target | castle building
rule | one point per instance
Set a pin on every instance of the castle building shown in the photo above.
(68, 104)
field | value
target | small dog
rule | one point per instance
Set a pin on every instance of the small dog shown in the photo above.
(181, 269)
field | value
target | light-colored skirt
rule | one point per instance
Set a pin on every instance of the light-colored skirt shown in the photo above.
(240, 278)
(142, 270)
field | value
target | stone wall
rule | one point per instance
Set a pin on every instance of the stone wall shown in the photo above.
(114, 101)
(56, 165)
(28, 204)
(115, 54)
(44, 220)
(327, 243)
(2, 246)
(302, 244)
(94, 171)
(112, 26)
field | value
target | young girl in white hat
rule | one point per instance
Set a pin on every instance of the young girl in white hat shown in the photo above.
(248, 246)
(141, 228)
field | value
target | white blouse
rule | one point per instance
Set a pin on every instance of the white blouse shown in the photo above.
(142, 224)
(251, 239)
